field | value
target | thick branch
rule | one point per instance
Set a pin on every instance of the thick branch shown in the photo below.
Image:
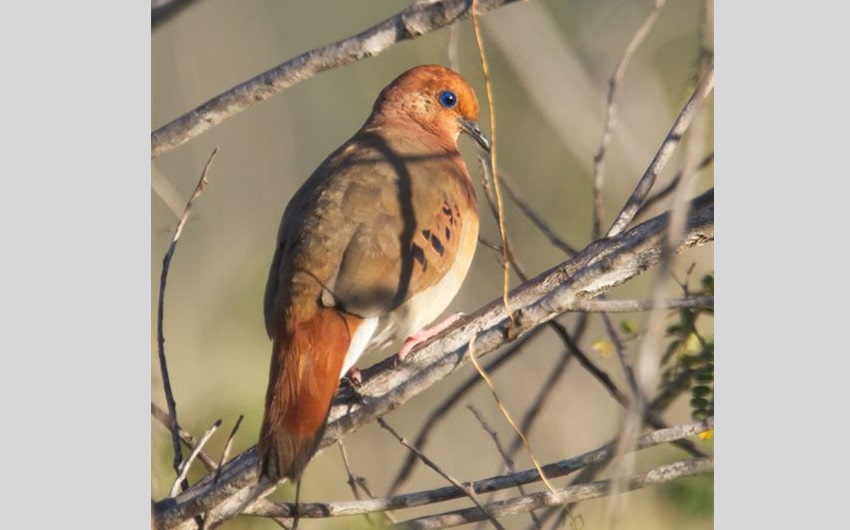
(423, 16)
(601, 266)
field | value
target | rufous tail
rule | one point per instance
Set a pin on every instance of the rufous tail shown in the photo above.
(303, 378)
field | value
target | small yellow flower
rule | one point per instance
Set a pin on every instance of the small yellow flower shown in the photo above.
(605, 348)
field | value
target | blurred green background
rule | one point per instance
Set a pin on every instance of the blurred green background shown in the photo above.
(550, 61)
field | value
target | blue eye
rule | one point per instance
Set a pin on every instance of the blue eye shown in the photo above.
(448, 99)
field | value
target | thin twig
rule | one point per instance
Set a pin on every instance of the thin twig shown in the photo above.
(533, 216)
(505, 413)
(509, 463)
(611, 113)
(671, 187)
(492, 246)
(506, 459)
(662, 156)
(185, 437)
(430, 463)
(625, 363)
(485, 67)
(443, 408)
(355, 482)
(160, 335)
(540, 399)
(505, 249)
(543, 395)
(184, 468)
(227, 446)
(635, 411)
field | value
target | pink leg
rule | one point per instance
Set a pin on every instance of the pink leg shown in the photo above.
(426, 333)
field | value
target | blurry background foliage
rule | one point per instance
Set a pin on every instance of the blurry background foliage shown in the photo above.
(550, 62)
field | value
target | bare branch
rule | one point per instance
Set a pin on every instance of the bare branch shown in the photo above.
(534, 217)
(674, 136)
(506, 459)
(355, 482)
(421, 17)
(625, 363)
(160, 335)
(185, 437)
(671, 187)
(505, 413)
(445, 406)
(611, 113)
(184, 468)
(227, 446)
(467, 490)
(539, 400)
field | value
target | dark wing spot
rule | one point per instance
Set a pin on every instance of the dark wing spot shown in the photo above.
(437, 244)
(426, 234)
(448, 234)
(419, 255)
(447, 209)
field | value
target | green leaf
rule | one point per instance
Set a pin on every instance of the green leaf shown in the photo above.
(701, 391)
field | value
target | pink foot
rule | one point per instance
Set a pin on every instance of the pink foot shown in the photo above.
(426, 333)
(355, 378)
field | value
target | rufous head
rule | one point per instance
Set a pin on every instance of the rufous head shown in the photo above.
(437, 98)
